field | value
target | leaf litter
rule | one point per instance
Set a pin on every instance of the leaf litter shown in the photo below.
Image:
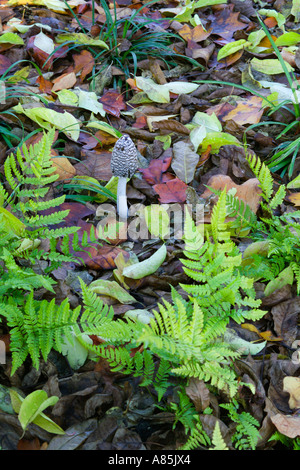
(189, 136)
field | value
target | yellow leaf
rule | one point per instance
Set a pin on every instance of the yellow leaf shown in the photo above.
(63, 168)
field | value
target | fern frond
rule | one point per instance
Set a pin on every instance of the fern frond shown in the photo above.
(217, 439)
(247, 433)
(197, 439)
(263, 174)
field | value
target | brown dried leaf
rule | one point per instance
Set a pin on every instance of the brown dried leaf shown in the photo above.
(196, 34)
(65, 81)
(171, 125)
(285, 316)
(198, 393)
(96, 165)
(249, 191)
(287, 425)
(84, 62)
(292, 386)
(225, 23)
(63, 168)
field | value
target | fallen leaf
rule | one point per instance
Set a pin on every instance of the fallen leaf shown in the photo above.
(113, 102)
(287, 425)
(84, 63)
(198, 392)
(97, 165)
(44, 43)
(285, 317)
(286, 276)
(5, 63)
(196, 34)
(171, 191)
(148, 266)
(292, 386)
(155, 173)
(65, 81)
(226, 22)
(46, 117)
(112, 289)
(152, 120)
(171, 125)
(184, 161)
(249, 191)
(294, 198)
(26, 444)
(216, 140)
(63, 168)
(269, 66)
(157, 93)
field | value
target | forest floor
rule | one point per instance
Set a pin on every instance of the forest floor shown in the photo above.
(193, 84)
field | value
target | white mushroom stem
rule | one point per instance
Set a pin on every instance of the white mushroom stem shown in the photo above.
(122, 198)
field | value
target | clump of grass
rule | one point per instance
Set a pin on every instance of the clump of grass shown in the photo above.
(284, 155)
(140, 41)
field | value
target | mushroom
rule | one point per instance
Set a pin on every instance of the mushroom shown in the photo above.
(124, 164)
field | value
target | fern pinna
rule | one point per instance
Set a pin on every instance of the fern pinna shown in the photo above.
(276, 244)
(28, 175)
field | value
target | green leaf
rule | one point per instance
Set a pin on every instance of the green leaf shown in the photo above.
(112, 289)
(33, 405)
(210, 122)
(295, 183)
(30, 409)
(46, 423)
(103, 126)
(166, 139)
(157, 93)
(67, 97)
(88, 100)
(11, 223)
(208, 3)
(75, 352)
(217, 139)
(273, 14)
(205, 123)
(288, 39)
(11, 38)
(16, 400)
(295, 11)
(269, 66)
(231, 48)
(255, 38)
(197, 136)
(47, 118)
(80, 38)
(181, 88)
(147, 267)
(285, 277)
(242, 346)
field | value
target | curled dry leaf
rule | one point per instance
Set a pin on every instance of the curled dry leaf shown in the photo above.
(287, 425)
(292, 386)
(249, 191)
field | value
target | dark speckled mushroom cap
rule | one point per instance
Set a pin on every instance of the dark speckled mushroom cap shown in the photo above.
(124, 162)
